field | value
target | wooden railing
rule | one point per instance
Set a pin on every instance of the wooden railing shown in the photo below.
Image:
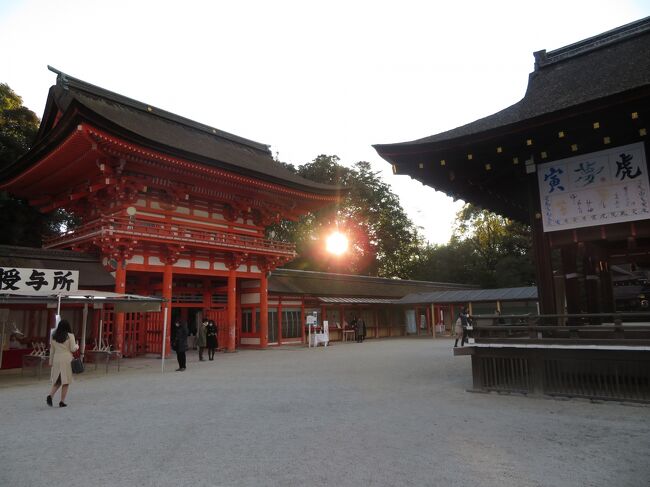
(169, 232)
(596, 328)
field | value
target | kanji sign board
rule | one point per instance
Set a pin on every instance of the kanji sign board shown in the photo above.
(599, 188)
(28, 281)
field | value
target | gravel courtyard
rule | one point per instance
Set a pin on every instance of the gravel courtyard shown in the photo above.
(391, 412)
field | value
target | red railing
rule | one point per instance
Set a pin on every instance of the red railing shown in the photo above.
(168, 232)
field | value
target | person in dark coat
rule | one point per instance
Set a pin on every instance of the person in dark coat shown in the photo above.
(211, 339)
(179, 345)
(361, 330)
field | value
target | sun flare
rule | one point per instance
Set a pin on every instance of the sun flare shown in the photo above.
(337, 243)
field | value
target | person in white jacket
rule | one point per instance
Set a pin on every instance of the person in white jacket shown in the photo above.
(62, 346)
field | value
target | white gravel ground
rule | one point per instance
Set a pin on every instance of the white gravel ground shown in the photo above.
(392, 412)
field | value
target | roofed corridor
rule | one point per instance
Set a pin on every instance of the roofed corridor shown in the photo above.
(382, 413)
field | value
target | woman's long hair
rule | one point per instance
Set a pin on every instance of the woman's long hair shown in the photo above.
(62, 330)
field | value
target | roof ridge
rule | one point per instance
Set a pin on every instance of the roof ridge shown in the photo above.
(66, 81)
(396, 281)
(618, 34)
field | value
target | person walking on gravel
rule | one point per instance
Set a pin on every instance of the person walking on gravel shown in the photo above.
(61, 349)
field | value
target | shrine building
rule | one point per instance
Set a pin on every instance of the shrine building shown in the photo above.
(173, 208)
(570, 160)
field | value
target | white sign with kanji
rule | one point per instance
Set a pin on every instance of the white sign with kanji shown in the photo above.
(609, 186)
(37, 282)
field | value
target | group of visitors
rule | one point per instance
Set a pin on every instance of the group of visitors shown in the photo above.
(206, 337)
(63, 346)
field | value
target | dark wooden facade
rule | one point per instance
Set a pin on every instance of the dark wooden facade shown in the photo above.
(582, 98)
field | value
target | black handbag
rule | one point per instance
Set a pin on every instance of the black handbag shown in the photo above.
(77, 365)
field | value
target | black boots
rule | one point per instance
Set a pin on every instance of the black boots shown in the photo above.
(48, 400)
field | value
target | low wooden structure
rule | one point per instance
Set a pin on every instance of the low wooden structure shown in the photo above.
(562, 355)
(339, 298)
(446, 305)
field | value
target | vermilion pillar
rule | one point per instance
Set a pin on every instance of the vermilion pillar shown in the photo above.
(118, 320)
(232, 309)
(167, 296)
(264, 311)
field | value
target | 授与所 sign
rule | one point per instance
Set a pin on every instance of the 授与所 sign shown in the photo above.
(609, 186)
(29, 281)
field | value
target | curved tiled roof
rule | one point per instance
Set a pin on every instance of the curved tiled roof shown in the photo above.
(161, 130)
(472, 295)
(324, 284)
(610, 63)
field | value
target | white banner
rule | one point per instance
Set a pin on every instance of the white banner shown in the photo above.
(609, 186)
(37, 282)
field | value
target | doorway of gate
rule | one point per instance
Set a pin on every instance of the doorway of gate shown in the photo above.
(220, 317)
(191, 317)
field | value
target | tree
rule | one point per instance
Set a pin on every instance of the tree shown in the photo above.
(383, 240)
(18, 127)
(485, 249)
(22, 224)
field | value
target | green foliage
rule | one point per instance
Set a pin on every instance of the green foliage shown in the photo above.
(383, 240)
(21, 224)
(18, 126)
(485, 249)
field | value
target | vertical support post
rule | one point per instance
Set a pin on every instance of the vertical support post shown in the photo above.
(232, 308)
(207, 297)
(592, 282)
(572, 285)
(541, 250)
(83, 330)
(302, 319)
(279, 319)
(167, 304)
(264, 310)
(118, 322)
(376, 318)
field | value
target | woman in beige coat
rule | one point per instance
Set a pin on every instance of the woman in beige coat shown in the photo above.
(62, 347)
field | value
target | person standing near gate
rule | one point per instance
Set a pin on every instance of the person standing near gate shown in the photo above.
(201, 338)
(179, 345)
(211, 338)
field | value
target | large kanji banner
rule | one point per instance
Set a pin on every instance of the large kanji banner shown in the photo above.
(28, 281)
(609, 186)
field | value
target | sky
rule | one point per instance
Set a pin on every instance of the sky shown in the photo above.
(306, 77)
